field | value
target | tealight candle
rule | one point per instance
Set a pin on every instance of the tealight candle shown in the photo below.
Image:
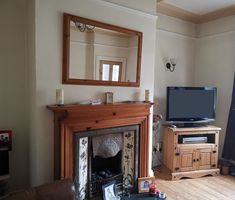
(162, 195)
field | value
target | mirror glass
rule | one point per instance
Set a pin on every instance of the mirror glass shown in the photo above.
(96, 53)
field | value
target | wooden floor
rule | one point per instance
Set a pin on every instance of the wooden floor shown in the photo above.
(206, 188)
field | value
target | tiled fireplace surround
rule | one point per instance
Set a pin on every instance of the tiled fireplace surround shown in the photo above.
(83, 121)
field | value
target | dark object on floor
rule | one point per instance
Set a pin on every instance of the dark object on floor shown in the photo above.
(58, 190)
(225, 167)
(232, 170)
(143, 196)
(229, 141)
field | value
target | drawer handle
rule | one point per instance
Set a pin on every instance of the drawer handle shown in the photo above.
(114, 113)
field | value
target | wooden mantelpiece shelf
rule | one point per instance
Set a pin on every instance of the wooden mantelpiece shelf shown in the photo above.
(190, 160)
(70, 119)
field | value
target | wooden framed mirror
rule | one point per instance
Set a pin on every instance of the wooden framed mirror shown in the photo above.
(96, 53)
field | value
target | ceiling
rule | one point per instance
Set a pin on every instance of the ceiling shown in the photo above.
(196, 11)
(201, 7)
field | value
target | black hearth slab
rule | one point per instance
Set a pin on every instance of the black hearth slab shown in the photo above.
(144, 196)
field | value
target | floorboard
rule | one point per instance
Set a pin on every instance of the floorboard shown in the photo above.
(205, 188)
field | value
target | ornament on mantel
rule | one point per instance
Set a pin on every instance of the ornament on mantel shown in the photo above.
(60, 96)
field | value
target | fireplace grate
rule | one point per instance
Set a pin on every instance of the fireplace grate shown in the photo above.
(96, 186)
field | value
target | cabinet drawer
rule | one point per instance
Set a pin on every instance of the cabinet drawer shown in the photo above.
(197, 146)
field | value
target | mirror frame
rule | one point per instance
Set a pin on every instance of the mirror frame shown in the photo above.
(66, 52)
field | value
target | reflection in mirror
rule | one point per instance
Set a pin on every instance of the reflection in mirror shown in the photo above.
(100, 54)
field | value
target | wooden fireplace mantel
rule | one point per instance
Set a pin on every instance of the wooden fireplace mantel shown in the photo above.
(70, 119)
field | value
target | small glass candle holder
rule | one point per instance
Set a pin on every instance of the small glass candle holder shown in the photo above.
(162, 195)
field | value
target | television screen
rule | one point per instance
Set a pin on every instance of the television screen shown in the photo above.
(190, 104)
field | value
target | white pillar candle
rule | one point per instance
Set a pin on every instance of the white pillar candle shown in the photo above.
(59, 96)
(147, 95)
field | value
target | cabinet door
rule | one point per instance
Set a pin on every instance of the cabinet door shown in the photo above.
(187, 159)
(204, 158)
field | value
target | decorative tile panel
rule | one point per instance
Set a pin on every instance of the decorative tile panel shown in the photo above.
(81, 178)
(128, 163)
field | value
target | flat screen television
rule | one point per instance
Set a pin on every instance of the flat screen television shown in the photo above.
(191, 104)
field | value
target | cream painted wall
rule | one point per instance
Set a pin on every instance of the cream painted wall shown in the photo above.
(215, 66)
(175, 39)
(14, 98)
(49, 62)
(174, 25)
(219, 26)
(31, 21)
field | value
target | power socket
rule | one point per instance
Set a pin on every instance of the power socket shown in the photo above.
(159, 146)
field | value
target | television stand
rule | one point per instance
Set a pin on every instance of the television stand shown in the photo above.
(191, 160)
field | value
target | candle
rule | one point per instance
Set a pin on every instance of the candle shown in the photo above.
(147, 95)
(59, 96)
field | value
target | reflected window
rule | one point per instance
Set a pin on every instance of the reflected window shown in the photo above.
(105, 72)
(110, 70)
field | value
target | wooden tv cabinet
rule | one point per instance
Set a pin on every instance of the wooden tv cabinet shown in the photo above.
(190, 160)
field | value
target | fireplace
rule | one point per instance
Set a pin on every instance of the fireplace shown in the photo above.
(75, 125)
(105, 155)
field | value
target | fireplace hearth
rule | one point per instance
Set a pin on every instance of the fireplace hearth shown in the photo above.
(74, 126)
(103, 168)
